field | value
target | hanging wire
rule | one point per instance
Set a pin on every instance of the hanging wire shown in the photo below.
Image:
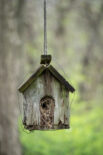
(45, 28)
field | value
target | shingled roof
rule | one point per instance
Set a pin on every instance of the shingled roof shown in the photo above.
(39, 71)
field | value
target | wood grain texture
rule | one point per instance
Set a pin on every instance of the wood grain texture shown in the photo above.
(46, 85)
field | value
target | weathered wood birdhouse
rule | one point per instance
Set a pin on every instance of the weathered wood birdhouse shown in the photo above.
(46, 99)
(46, 95)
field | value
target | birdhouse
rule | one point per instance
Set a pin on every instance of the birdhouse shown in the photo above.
(46, 99)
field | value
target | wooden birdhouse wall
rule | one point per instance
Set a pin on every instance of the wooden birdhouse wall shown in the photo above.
(46, 104)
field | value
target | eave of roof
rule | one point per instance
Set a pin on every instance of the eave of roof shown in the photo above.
(39, 71)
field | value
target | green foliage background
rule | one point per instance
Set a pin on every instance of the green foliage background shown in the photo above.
(83, 138)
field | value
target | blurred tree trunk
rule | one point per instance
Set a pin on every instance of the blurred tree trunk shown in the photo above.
(92, 61)
(11, 52)
(16, 28)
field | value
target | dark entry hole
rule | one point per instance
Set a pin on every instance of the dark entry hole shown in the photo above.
(44, 106)
(47, 105)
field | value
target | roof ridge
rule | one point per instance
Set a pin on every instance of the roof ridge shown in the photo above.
(39, 71)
